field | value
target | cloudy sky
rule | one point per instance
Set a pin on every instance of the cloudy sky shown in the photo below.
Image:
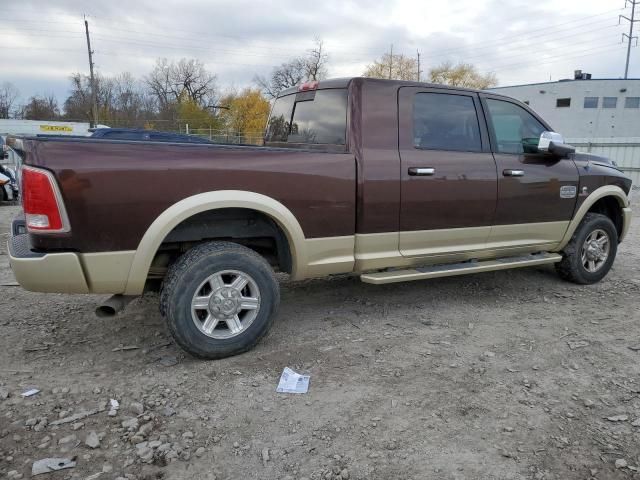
(42, 41)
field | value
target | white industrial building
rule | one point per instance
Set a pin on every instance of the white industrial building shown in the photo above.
(40, 127)
(601, 116)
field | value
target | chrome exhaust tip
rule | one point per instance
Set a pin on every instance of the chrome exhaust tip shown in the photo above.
(113, 305)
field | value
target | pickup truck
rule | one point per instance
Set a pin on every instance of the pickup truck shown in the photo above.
(389, 180)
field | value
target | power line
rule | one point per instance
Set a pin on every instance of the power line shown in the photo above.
(559, 58)
(198, 36)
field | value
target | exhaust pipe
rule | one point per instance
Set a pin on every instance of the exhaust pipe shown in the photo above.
(113, 305)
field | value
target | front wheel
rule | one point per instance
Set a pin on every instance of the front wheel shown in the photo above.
(219, 299)
(590, 253)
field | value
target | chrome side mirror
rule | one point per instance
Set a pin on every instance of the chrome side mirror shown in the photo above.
(553, 143)
(546, 138)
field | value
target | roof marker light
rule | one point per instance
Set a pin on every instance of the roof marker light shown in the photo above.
(306, 86)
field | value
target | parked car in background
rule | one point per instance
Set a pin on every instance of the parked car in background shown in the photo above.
(389, 180)
(8, 182)
(145, 135)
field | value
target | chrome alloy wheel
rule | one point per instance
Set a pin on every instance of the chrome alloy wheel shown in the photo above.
(225, 304)
(595, 250)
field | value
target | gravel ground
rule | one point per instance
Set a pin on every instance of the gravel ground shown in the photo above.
(506, 375)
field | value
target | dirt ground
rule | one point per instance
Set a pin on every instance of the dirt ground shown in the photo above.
(506, 375)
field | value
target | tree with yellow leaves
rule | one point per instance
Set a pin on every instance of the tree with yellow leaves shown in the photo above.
(192, 114)
(461, 75)
(245, 113)
(393, 66)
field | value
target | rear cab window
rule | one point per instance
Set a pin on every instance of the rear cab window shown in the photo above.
(316, 118)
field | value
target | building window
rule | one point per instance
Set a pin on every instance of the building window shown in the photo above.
(632, 102)
(563, 102)
(590, 102)
(609, 102)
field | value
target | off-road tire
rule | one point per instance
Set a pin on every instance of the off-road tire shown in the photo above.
(571, 267)
(190, 270)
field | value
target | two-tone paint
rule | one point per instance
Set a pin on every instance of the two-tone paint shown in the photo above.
(342, 211)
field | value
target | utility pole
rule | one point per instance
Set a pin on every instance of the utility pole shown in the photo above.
(390, 61)
(94, 102)
(418, 52)
(629, 37)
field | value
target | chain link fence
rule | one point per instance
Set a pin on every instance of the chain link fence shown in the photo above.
(227, 136)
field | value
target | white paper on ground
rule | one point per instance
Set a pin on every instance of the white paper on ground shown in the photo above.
(30, 393)
(292, 382)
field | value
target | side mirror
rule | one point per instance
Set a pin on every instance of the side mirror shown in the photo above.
(546, 138)
(561, 150)
(553, 143)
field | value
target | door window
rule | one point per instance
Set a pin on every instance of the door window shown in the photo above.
(445, 122)
(516, 130)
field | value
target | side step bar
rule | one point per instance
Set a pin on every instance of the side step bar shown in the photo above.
(451, 269)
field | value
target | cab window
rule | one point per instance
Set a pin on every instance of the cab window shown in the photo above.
(516, 130)
(444, 121)
(309, 117)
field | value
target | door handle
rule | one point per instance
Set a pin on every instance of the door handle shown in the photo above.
(421, 171)
(513, 173)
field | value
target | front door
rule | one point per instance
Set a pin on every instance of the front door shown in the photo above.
(448, 174)
(536, 191)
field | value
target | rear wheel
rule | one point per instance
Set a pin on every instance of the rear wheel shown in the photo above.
(590, 253)
(219, 299)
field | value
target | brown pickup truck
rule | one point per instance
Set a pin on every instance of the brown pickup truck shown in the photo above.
(389, 180)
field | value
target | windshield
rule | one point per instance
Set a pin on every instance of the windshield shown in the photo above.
(314, 117)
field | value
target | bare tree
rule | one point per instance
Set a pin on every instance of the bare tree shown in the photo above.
(41, 108)
(316, 62)
(462, 75)
(122, 100)
(8, 96)
(312, 66)
(169, 82)
(159, 82)
(191, 78)
(396, 67)
(77, 106)
(287, 75)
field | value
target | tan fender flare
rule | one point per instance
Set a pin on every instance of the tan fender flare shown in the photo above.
(597, 194)
(202, 202)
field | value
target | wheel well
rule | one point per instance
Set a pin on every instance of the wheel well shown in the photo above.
(250, 228)
(610, 207)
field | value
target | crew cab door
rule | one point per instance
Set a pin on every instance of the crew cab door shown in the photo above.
(448, 174)
(533, 208)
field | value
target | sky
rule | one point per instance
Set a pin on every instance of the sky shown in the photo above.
(42, 42)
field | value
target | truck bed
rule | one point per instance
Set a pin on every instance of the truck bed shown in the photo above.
(114, 189)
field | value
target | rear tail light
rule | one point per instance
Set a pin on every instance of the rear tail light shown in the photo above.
(42, 202)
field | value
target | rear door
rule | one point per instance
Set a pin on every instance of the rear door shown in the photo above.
(448, 174)
(533, 207)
